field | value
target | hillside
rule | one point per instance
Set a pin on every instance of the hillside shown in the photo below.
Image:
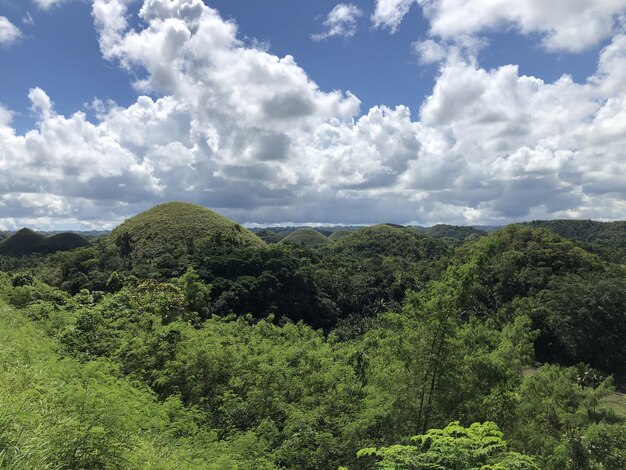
(306, 237)
(22, 242)
(339, 234)
(390, 240)
(175, 227)
(607, 239)
(63, 242)
(456, 232)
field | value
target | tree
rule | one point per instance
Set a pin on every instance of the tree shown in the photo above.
(480, 446)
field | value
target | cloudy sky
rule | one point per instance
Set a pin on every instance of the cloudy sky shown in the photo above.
(279, 111)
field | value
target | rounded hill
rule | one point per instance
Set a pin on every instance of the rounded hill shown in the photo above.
(390, 240)
(26, 242)
(339, 234)
(23, 242)
(306, 237)
(63, 242)
(176, 226)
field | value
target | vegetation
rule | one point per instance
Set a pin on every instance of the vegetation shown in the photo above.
(607, 239)
(190, 344)
(338, 234)
(306, 237)
(455, 232)
(174, 228)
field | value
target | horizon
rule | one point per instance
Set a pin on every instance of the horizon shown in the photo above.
(413, 112)
(317, 225)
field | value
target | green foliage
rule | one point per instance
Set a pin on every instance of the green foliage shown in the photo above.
(555, 414)
(478, 447)
(266, 281)
(607, 239)
(197, 294)
(456, 233)
(198, 349)
(583, 319)
(269, 236)
(62, 414)
(390, 240)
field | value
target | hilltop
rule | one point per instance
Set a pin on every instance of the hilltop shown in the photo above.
(306, 237)
(175, 227)
(390, 240)
(607, 239)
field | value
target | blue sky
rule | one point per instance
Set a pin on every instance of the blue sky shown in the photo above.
(509, 106)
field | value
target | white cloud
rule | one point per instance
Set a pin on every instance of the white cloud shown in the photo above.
(9, 33)
(429, 51)
(28, 19)
(47, 4)
(390, 13)
(231, 126)
(568, 25)
(341, 21)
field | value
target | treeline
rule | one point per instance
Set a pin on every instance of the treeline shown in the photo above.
(388, 348)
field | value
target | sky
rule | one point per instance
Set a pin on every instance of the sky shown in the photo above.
(294, 111)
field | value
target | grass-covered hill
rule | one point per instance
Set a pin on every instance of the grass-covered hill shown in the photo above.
(306, 237)
(21, 243)
(26, 241)
(390, 240)
(175, 227)
(64, 242)
(339, 234)
(607, 239)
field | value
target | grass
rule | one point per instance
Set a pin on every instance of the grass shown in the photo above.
(179, 224)
(306, 237)
(617, 402)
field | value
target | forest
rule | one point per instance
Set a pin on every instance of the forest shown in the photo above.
(182, 340)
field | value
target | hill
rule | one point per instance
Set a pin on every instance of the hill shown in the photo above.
(456, 232)
(175, 227)
(306, 237)
(606, 239)
(23, 242)
(26, 241)
(63, 242)
(390, 240)
(339, 234)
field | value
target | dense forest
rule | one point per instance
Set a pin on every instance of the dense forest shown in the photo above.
(182, 340)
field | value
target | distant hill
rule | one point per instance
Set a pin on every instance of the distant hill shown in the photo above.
(390, 240)
(174, 226)
(26, 241)
(339, 234)
(456, 232)
(306, 237)
(64, 242)
(606, 239)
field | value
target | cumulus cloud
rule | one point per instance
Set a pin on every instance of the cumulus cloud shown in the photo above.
(566, 25)
(390, 13)
(224, 123)
(9, 33)
(341, 21)
(429, 51)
